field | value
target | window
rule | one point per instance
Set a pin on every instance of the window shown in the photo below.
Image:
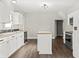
(8, 25)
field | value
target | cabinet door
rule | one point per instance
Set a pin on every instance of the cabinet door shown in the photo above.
(21, 22)
(4, 12)
(4, 50)
(13, 45)
(15, 18)
(20, 39)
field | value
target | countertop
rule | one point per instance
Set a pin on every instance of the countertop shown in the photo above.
(44, 32)
(3, 36)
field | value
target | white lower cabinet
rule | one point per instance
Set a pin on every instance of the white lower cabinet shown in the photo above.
(11, 46)
(44, 43)
(20, 39)
(13, 43)
(4, 49)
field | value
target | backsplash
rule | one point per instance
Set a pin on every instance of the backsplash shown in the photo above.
(4, 27)
(1, 26)
(9, 30)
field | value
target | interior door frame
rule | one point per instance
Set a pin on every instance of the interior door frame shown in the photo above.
(56, 27)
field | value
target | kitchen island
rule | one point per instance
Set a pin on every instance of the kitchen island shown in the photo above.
(44, 42)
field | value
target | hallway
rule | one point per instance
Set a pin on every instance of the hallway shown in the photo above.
(29, 50)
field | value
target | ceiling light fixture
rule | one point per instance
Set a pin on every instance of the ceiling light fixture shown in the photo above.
(44, 4)
(14, 1)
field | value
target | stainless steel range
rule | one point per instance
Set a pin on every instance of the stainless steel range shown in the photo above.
(68, 39)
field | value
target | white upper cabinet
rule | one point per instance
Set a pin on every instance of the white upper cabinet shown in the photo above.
(4, 11)
(21, 22)
(16, 18)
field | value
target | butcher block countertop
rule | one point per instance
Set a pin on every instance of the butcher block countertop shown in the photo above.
(44, 45)
(44, 32)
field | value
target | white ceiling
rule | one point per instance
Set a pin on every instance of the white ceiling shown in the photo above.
(53, 5)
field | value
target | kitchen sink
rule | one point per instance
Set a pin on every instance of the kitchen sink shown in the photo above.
(1, 40)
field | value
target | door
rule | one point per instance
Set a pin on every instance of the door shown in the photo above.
(76, 36)
(59, 27)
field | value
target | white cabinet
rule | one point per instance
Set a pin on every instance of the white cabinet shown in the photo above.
(15, 42)
(20, 39)
(44, 43)
(16, 18)
(4, 49)
(11, 44)
(4, 12)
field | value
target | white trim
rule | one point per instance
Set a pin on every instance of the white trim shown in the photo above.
(53, 37)
(31, 37)
(15, 51)
(36, 37)
(45, 52)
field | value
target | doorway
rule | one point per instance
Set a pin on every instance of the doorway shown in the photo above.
(59, 28)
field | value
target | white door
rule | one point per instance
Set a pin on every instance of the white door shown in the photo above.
(76, 36)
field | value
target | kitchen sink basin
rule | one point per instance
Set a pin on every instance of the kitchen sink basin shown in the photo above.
(1, 40)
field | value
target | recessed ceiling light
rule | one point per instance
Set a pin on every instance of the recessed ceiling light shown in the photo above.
(13, 1)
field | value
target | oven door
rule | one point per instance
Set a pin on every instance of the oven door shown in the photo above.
(68, 39)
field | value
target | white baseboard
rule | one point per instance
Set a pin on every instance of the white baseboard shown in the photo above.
(53, 37)
(36, 37)
(45, 52)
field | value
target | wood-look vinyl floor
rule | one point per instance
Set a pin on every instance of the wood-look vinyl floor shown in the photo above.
(29, 50)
